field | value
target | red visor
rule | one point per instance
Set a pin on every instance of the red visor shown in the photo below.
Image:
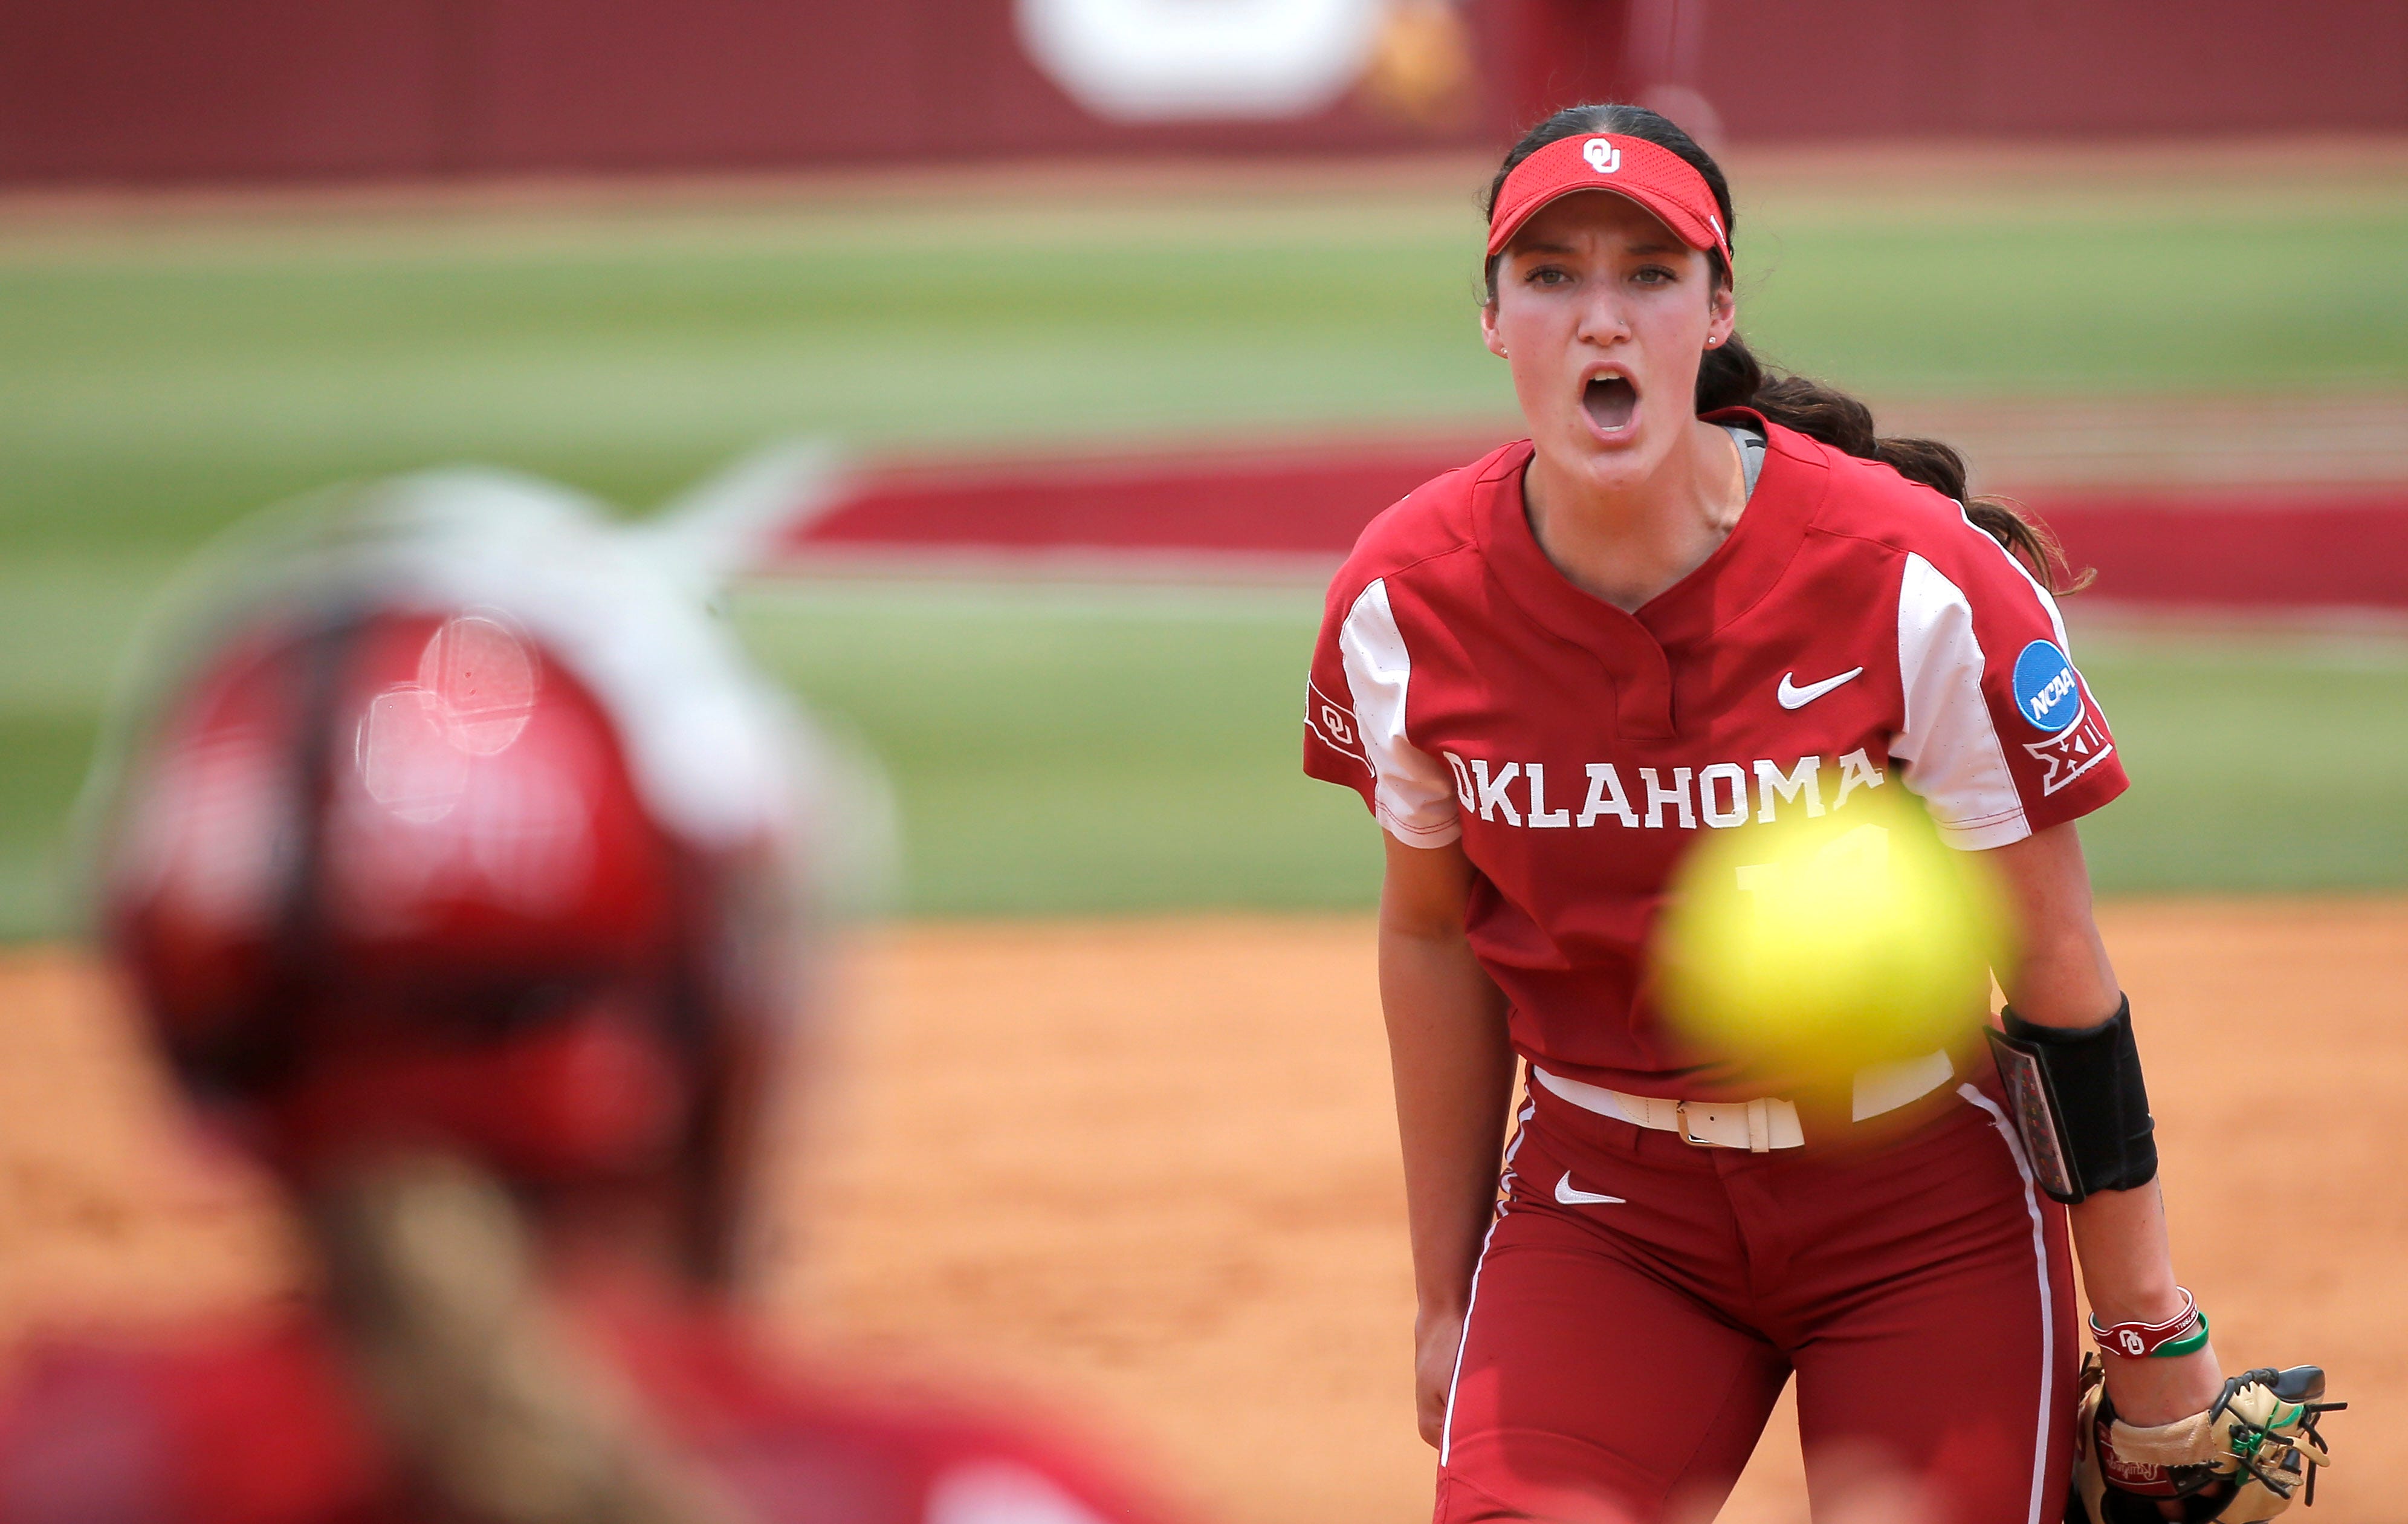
(1650, 173)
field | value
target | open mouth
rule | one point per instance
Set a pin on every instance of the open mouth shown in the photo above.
(1609, 401)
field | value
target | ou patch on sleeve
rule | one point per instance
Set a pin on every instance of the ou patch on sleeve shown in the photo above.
(1355, 722)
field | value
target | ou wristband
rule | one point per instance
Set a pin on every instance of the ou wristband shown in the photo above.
(2181, 1334)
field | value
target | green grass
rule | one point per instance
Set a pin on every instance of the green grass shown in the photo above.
(1113, 751)
(158, 398)
(1081, 750)
(158, 381)
(65, 620)
(2237, 303)
(154, 388)
(2269, 764)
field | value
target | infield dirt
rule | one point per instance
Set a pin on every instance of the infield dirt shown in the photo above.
(1144, 1171)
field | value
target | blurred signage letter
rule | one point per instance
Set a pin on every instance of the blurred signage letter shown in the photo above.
(1191, 60)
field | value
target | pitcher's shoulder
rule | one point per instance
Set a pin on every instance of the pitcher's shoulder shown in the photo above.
(1434, 521)
(1868, 501)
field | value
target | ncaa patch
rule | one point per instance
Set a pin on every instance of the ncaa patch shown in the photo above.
(2046, 691)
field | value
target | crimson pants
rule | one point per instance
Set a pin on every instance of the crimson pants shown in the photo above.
(1621, 1358)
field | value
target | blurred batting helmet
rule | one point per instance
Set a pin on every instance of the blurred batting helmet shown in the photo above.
(454, 820)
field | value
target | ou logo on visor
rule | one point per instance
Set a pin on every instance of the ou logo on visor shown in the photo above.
(2046, 690)
(1602, 155)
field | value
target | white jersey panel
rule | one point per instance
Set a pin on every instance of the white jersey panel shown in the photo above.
(1949, 752)
(1415, 794)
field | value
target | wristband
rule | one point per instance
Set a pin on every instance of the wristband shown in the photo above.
(2189, 1343)
(2181, 1334)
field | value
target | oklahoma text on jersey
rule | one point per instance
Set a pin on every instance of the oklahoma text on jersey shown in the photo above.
(1719, 795)
(1854, 632)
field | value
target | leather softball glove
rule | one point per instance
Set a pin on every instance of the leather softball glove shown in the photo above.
(2245, 1460)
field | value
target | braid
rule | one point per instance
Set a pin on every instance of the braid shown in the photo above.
(1733, 377)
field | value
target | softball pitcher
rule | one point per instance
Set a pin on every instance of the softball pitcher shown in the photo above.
(1698, 595)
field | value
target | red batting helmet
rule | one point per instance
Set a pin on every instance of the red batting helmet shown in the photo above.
(462, 825)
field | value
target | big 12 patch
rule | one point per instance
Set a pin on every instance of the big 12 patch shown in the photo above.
(2049, 694)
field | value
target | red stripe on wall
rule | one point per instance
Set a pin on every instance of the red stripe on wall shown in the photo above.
(2263, 547)
(2271, 547)
(1294, 502)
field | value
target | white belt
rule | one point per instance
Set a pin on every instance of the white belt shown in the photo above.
(1757, 1125)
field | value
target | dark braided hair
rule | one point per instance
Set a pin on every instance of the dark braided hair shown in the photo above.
(1731, 376)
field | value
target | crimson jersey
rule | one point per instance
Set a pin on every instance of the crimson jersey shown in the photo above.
(262, 1424)
(1854, 632)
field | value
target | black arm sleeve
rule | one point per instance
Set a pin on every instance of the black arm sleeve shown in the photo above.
(2079, 1103)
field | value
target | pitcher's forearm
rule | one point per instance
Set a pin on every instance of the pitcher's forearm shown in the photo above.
(2126, 1265)
(1454, 1074)
(2118, 1235)
(2063, 979)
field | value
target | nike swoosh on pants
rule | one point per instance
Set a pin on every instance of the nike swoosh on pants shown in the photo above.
(1570, 1195)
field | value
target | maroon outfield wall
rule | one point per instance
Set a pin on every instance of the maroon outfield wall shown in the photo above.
(146, 91)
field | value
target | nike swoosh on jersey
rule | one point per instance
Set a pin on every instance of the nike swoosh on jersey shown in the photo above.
(1570, 1195)
(1793, 696)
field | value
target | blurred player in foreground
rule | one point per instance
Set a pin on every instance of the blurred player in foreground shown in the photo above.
(466, 873)
(1701, 599)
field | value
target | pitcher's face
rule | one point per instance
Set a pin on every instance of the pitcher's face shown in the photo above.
(1605, 314)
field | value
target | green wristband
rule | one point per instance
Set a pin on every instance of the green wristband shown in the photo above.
(2189, 1343)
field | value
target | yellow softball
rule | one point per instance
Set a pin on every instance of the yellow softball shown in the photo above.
(1809, 947)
